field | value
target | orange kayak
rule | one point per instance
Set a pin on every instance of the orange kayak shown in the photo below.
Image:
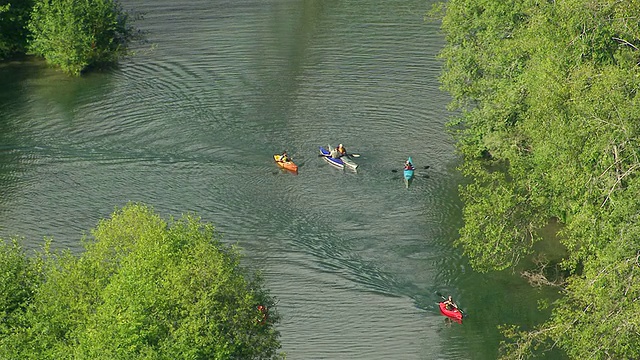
(289, 165)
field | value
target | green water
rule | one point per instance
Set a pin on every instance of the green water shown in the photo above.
(190, 123)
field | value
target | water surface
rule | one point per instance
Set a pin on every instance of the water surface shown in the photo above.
(190, 124)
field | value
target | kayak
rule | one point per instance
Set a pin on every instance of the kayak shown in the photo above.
(409, 173)
(348, 163)
(454, 314)
(289, 165)
(326, 155)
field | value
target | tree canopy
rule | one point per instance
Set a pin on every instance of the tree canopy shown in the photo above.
(144, 288)
(73, 35)
(547, 93)
(13, 27)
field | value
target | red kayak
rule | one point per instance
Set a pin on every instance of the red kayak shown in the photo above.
(455, 314)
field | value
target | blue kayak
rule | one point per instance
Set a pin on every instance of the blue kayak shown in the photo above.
(348, 163)
(409, 173)
(326, 155)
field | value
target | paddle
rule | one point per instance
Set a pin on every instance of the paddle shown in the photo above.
(424, 167)
(349, 155)
(456, 305)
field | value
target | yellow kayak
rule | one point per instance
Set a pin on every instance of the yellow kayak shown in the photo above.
(289, 165)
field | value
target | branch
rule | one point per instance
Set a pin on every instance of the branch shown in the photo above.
(625, 42)
(618, 181)
(538, 278)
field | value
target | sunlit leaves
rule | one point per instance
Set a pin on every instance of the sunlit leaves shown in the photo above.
(146, 289)
(18, 280)
(549, 130)
(77, 34)
(73, 35)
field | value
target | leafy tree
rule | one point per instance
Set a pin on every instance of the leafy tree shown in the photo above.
(14, 17)
(146, 289)
(76, 35)
(18, 281)
(548, 131)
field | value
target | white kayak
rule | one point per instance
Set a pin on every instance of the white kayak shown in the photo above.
(348, 163)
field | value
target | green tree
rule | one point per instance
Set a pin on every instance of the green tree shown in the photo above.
(14, 17)
(76, 35)
(147, 289)
(548, 93)
(18, 281)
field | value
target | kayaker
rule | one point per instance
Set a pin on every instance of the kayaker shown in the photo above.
(449, 304)
(264, 313)
(409, 166)
(284, 157)
(341, 150)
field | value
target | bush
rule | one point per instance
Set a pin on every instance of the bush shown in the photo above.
(13, 27)
(146, 289)
(76, 35)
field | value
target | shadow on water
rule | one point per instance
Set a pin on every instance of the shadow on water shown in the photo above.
(41, 106)
(14, 99)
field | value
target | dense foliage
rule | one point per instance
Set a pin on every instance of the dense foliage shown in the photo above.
(18, 279)
(74, 35)
(13, 27)
(77, 34)
(549, 130)
(143, 289)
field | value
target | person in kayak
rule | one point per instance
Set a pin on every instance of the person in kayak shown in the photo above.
(449, 304)
(335, 153)
(264, 314)
(409, 166)
(285, 157)
(341, 150)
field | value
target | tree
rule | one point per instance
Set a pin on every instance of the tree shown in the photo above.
(14, 17)
(18, 281)
(147, 289)
(76, 35)
(548, 131)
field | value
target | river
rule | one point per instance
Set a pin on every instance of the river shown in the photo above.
(189, 123)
